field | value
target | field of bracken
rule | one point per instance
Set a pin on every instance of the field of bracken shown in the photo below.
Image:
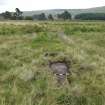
(26, 49)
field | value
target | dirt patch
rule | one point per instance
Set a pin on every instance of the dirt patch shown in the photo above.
(60, 69)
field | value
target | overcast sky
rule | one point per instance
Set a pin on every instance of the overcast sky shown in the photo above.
(29, 5)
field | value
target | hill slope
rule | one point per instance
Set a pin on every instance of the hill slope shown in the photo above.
(72, 11)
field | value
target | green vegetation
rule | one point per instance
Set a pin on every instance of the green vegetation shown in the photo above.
(65, 15)
(97, 13)
(50, 17)
(25, 76)
(41, 16)
(91, 16)
(82, 28)
(12, 15)
(28, 18)
(12, 29)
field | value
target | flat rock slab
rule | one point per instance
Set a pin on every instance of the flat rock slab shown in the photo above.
(60, 69)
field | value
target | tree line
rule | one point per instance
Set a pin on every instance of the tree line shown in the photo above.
(18, 15)
(90, 16)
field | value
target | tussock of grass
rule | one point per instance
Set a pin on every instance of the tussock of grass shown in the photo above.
(8, 29)
(75, 29)
(81, 100)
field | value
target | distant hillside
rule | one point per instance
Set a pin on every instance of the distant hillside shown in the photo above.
(72, 11)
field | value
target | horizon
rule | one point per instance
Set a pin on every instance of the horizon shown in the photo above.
(52, 9)
(37, 5)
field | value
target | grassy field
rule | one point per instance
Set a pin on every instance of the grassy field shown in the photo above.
(25, 76)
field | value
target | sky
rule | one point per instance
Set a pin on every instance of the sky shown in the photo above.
(29, 5)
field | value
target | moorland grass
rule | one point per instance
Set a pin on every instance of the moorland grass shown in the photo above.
(8, 29)
(22, 55)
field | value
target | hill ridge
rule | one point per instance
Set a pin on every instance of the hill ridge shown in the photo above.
(72, 11)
